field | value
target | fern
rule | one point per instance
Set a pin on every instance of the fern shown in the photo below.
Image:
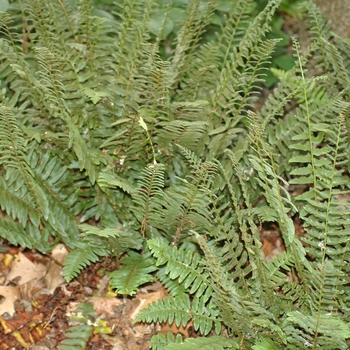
(149, 195)
(170, 166)
(198, 15)
(80, 258)
(160, 341)
(81, 329)
(110, 180)
(184, 265)
(135, 271)
(77, 338)
(14, 155)
(215, 343)
(176, 310)
(119, 240)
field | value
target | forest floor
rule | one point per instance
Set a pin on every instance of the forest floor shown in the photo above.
(37, 307)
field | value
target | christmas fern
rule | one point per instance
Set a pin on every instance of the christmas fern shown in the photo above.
(169, 167)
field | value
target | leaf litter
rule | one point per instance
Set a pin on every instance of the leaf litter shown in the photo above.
(37, 306)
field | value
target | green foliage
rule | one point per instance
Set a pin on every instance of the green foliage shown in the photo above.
(136, 271)
(180, 262)
(167, 17)
(159, 341)
(176, 309)
(212, 343)
(79, 258)
(83, 325)
(169, 167)
(76, 338)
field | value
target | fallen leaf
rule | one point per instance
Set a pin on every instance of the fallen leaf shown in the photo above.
(40, 347)
(11, 294)
(54, 277)
(272, 248)
(26, 270)
(104, 305)
(59, 253)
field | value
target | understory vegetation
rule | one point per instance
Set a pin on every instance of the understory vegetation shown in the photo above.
(120, 142)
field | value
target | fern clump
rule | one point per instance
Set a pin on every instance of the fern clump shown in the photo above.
(169, 167)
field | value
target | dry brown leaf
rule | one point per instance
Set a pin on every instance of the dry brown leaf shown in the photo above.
(105, 305)
(11, 294)
(59, 253)
(31, 288)
(272, 249)
(54, 276)
(117, 341)
(26, 270)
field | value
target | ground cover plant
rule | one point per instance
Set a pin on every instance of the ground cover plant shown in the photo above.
(170, 168)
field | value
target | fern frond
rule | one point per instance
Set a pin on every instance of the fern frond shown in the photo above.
(186, 204)
(108, 180)
(205, 316)
(132, 34)
(234, 28)
(233, 307)
(17, 207)
(237, 228)
(179, 311)
(186, 134)
(77, 259)
(76, 338)
(118, 240)
(214, 343)
(343, 46)
(283, 261)
(319, 29)
(54, 178)
(156, 88)
(53, 89)
(78, 334)
(16, 71)
(173, 286)
(238, 81)
(244, 56)
(136, 270)
(159, 341)
(13, 156)
(274, 198)
(299, 327)
(14, 233)
(336, 60)
(322, 154)
(198, 15)
(169, 310)
(182, 265)
(42, 23)
(280, 136)
(149, 195)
